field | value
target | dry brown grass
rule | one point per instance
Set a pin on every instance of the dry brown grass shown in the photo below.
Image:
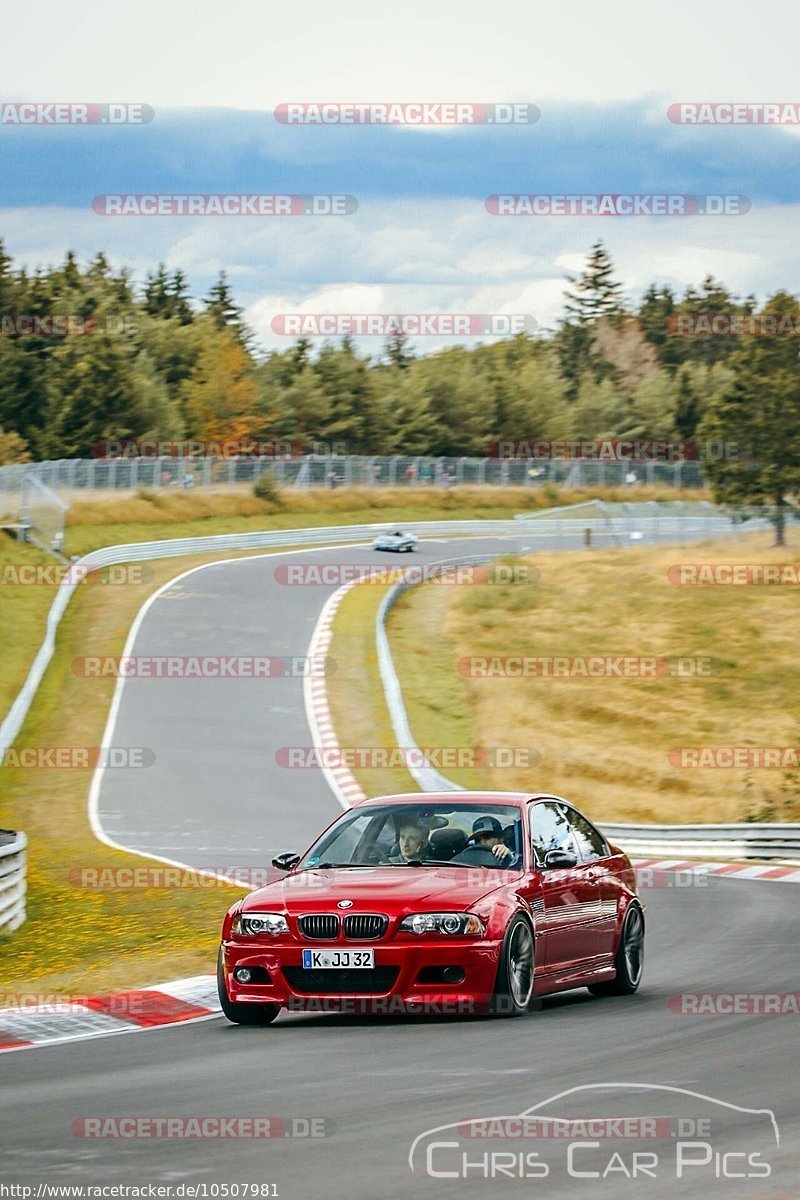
(153, 507)
(605, 742)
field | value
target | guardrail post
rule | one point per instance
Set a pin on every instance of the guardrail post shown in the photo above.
(13, 885)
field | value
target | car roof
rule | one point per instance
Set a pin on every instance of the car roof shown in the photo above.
(517, 799)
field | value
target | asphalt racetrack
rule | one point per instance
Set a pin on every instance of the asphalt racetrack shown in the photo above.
(215, 798)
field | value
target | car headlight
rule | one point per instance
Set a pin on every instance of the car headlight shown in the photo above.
(250, 924)
(443, 922)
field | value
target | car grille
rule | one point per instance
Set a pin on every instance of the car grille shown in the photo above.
(331, 981)
(365, 926)
(322, 926)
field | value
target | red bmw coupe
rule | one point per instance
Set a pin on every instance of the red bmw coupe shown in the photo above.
(458, 902)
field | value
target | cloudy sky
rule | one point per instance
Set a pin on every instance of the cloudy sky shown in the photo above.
(421, 240)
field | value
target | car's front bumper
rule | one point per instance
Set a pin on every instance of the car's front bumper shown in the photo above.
(406, 978)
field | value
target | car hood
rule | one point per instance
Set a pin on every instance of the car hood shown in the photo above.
(381, 889)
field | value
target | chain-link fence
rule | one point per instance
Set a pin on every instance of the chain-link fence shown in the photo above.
(73, 477)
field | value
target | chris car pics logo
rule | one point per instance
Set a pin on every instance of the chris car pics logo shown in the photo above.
(646, 1134)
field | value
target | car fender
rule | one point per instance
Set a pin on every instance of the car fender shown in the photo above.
(228, 918)
(497, 910)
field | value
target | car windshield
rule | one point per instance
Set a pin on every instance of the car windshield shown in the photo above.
(420, 835)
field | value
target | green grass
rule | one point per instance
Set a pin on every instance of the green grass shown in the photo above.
(23, 612)
(78, 940)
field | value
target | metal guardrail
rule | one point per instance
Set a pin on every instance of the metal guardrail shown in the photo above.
(735, 842)
(425, 776)
(13, 863)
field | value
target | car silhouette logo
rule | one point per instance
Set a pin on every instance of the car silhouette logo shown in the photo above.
(345, 904)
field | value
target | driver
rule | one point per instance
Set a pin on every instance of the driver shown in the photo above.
(413, 842)
(487, 833)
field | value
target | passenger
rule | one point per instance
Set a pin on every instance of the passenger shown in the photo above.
(487, 833)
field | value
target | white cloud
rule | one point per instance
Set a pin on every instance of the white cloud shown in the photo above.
(431, 256)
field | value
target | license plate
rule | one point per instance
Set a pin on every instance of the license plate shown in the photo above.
(320, 959)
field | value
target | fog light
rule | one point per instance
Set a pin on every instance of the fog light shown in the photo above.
(453, 975)
(242, 974)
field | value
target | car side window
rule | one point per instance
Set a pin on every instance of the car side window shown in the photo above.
(550, 829)
(589, 841)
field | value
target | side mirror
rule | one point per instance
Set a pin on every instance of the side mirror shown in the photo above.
(559, 859)
(285, 861)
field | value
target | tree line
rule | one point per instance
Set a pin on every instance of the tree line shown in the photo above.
(154, 362)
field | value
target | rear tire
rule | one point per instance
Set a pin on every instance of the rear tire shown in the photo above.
(513, 988)
(629, 959)
(243, 1014)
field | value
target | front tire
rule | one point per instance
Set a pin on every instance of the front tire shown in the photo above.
(629, 959)
(243, 1014)
(515, 971)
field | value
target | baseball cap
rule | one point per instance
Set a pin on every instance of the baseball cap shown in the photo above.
(487, 825)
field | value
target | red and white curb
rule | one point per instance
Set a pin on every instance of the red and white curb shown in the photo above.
(48, 1021)
(729, 870)
(340, 779)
